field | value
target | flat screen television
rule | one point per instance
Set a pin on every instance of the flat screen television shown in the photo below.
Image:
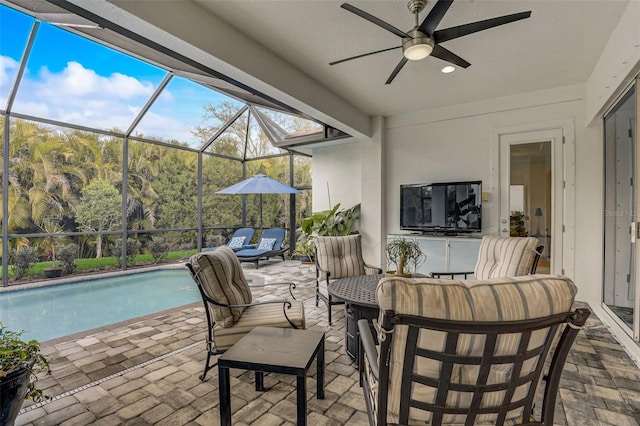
(449, 207)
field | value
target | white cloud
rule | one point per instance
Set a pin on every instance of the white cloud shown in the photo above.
(8, 67)
(81, 96)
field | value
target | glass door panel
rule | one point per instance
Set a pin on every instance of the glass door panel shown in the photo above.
(620, 222)
(530, 199)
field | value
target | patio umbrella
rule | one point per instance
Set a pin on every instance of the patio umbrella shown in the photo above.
(259, 184)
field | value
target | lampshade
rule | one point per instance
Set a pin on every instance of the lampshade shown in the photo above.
(538, 212)
(419, 46)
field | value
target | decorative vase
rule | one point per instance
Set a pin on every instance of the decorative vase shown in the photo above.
(13, 388)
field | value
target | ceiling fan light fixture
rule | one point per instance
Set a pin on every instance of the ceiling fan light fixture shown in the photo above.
(419, 46)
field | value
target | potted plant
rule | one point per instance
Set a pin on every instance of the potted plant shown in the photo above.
(305, 249)
(333, 222)
(51, 227)
(406, 255)
(20, 361)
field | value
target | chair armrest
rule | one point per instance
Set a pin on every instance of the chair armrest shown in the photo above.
(371, 270)
(450, 274)
(369, 348)
(319, 269)
(291, 285)
(248, 246)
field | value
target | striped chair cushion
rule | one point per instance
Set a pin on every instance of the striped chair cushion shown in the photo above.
(341, 256)
(268, 315)
(220, 274)
(505, 257)
(497, 299)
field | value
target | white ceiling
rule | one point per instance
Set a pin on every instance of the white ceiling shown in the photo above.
(558, 46)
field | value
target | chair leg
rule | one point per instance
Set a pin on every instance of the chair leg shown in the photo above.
(206, 367)
(329, 309)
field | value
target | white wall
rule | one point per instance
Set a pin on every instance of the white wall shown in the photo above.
(457, 145)
(339, 168)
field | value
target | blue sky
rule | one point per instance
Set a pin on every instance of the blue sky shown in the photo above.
(75, 80)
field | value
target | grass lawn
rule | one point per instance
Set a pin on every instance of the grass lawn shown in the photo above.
(83, 265)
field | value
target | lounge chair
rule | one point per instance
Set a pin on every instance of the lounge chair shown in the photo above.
(230, 308)
(270, 245)
(240, 238)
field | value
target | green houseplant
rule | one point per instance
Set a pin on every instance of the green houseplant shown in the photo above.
(405, 254)
(20, 361)
(333, 222)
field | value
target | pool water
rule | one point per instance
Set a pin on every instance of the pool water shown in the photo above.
(55, 311)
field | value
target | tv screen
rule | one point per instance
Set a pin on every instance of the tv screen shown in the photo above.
(450, 207)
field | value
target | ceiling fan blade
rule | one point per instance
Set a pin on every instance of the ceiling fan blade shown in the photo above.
(463, 30)
(434, 17)
(396, 70)
(446, 55)
(363, 55)
(379, 22)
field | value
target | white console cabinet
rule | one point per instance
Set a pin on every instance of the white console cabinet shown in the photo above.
(445, 253)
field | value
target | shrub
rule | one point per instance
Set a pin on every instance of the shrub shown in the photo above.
(133, 248)
(67, 256)
(216, 240)
(158, 248)
(24, 258)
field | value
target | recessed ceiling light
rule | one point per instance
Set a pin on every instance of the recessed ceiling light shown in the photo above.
(448, 69)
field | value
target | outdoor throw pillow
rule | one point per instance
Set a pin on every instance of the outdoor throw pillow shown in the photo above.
(266, 244)
(236, 242)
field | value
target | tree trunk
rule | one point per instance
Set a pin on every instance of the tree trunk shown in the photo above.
(98, 246)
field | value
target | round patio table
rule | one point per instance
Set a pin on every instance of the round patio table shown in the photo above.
(359, 295)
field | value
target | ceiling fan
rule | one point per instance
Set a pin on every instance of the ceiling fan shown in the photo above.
(424, 40)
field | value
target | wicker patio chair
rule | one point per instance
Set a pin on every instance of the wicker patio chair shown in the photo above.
(229, 307)
(467, 352)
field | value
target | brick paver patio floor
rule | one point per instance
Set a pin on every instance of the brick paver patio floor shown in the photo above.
(145, 372)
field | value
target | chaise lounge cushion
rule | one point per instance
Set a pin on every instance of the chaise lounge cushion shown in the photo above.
(222, 280)
(497, 299)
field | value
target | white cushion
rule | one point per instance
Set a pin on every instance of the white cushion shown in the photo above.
(236, 242)
(266, 244)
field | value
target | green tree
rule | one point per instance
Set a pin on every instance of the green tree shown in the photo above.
(99, 210)
(177, 189)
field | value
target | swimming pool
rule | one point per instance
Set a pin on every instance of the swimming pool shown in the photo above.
(49, 312)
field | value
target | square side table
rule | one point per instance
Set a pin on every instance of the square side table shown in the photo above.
(273, 350)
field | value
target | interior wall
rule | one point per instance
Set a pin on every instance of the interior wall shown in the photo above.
(455, 148)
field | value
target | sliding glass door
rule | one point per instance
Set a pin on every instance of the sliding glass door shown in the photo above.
(621, 229)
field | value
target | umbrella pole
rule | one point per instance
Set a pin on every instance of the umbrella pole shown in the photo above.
(261, 211)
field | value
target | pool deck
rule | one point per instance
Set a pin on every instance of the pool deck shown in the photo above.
(145, 372)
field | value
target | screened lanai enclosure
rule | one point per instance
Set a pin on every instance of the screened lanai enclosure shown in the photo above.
(113, 144)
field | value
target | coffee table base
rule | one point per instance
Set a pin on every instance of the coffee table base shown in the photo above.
(292, 352)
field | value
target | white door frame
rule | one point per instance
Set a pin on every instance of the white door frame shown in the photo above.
(561, 133)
